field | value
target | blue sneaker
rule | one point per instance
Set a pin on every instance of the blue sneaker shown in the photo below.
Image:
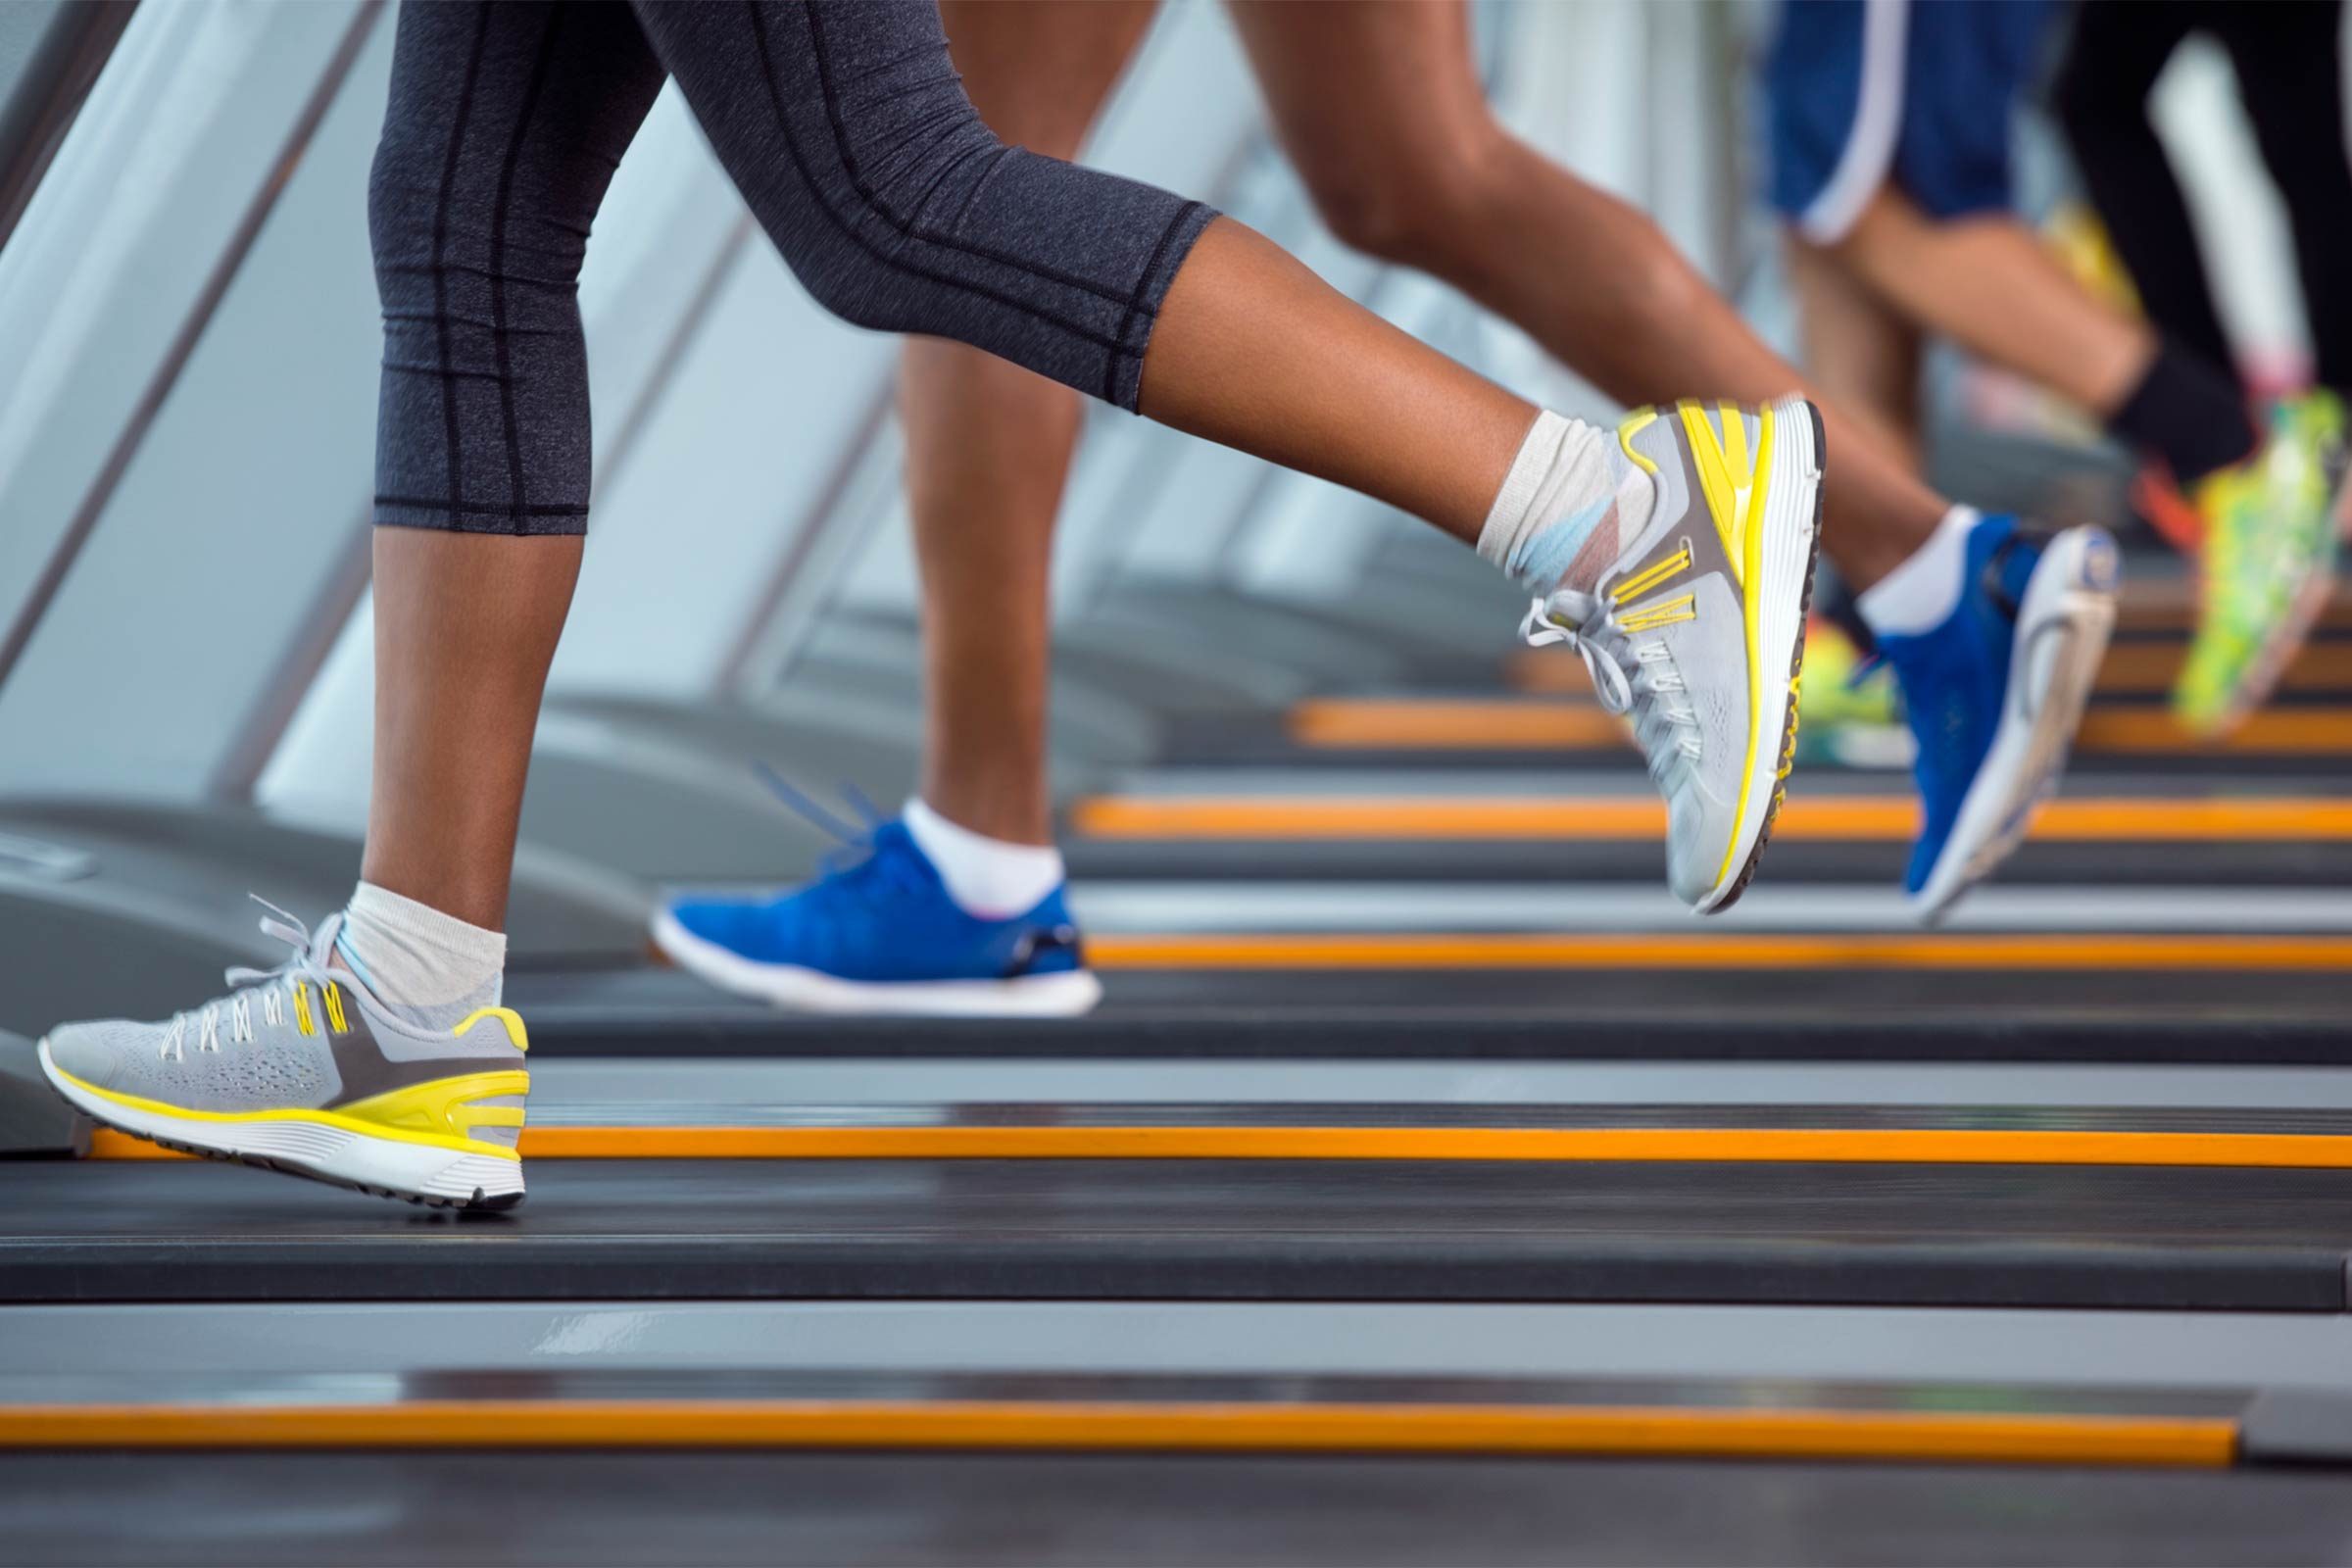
(1995, 694)
(880, 934)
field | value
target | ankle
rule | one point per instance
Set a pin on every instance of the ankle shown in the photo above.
(988, 877)
(1919, 594)
(1566, 509)
(1018, 816)
(431, 969)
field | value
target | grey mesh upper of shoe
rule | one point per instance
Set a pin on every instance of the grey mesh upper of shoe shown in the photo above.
(301, 1037)
(1682, 679)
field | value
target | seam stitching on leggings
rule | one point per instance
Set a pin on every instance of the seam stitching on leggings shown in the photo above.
(905, 226)
(848, 230)
(950, 80)
(516, 502)
(892, 64)
(1120, 351)
(941, 177)
(449, 181)
(996, 162)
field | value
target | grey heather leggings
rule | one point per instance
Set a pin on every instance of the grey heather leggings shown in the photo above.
(847, 129)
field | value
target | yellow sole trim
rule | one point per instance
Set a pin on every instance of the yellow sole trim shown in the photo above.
(1751, 528)
(491, 1084)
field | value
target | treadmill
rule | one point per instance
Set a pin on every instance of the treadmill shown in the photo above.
(1334, 1236)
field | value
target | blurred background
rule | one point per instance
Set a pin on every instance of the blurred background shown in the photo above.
(188, 350)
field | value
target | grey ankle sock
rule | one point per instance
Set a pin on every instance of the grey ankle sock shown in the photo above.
(1569, 501)
(430, 969)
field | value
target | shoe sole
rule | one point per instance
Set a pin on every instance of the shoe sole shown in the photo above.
(2269, 666)
(2064, 624)
(384, 1167)
(1065, 995)
(1790, 553)
(2286, 638)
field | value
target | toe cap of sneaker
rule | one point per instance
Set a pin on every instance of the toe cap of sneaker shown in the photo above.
(1698, 836)
(97, 1054)
(735, 926)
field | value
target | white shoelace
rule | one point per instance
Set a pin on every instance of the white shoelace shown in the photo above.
(1588, 623)
(272, 986)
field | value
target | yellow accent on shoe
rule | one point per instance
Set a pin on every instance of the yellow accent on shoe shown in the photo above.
(446, 1107)
(482, 1086)
(1749, 558)
(335, 1022)
(1635, 424)
(302, 1009)
(1727, 476)
(1665, 612)
(515, 1034)
(1652, 577)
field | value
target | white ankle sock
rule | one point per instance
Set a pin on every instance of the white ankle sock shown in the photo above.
(989, 878)
(430, 968)
(1566, 506)
(1921, 594)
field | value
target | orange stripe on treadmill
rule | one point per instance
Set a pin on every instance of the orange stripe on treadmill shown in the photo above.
(2150, 668)
(1536, 724)
(2282, 731)
(1893, 819)
(1873, 1146)
(1870, 1435)
(1713, 951)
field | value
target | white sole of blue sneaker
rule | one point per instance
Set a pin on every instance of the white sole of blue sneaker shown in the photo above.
(299, 1146)
(2062, 631)
(1036, 996)
(1781, 587)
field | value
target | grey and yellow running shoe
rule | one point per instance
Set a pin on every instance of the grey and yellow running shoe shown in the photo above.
(1698, 632)
(300, 1069)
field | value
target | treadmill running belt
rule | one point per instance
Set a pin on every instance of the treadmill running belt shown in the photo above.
(2081, 1236)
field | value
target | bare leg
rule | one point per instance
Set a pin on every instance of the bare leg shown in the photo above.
(1989, 285)
(1256, 352)
(465, 625)
(1381, 107)
(1863, 354)
(988, 444)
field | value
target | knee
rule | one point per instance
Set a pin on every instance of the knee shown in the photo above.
(1413, 207)
(861, 256)
(861, 223)
(401, 201)
(465, 251)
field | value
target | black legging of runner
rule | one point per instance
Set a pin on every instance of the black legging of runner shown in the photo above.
(2288, 62)
(846, 127)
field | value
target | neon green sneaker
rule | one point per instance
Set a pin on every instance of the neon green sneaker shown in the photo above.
(1847, 706)
(2273, 529)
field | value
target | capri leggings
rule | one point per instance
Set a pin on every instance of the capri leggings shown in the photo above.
(847, 129)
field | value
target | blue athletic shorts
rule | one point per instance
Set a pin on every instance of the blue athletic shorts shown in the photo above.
(1859, 92)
